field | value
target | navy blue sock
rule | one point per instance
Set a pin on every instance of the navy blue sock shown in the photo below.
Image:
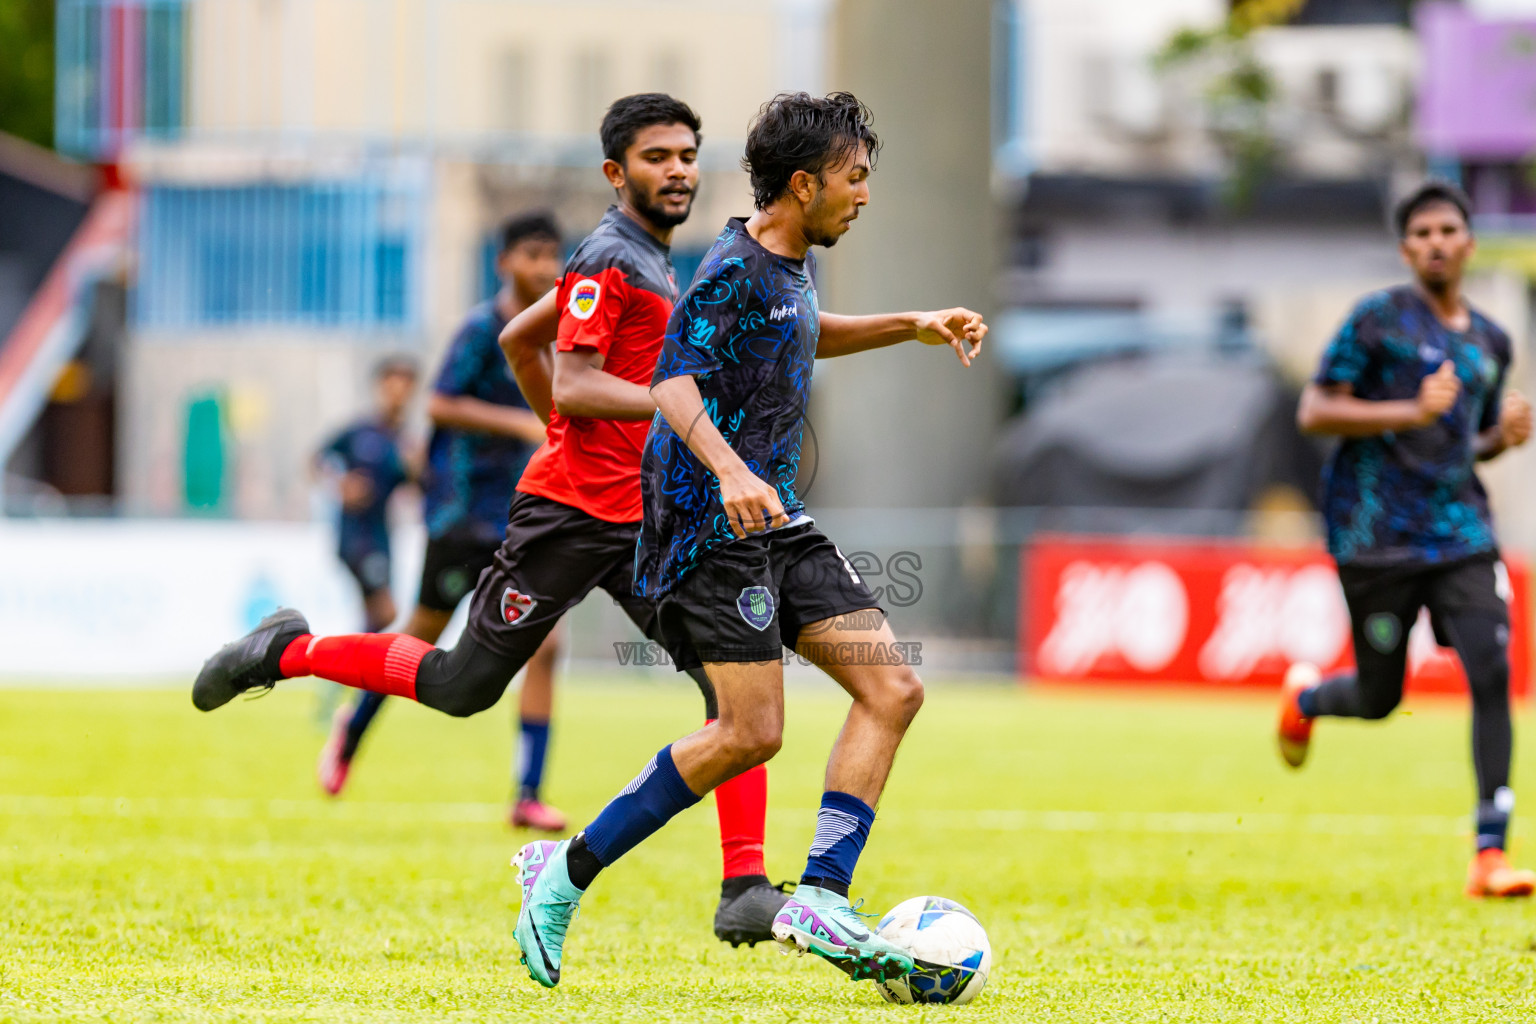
(532, 746)
(1306, 702)
(363, 711)
(647, 803)
(1493, 819)
(842, 827)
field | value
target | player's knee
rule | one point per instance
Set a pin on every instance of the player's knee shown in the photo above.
(752, 743)
(464, 703)
(1378, 707)
(901, 694)
(467, 694)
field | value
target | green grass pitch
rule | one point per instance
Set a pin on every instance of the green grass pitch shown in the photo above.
(1134, 858)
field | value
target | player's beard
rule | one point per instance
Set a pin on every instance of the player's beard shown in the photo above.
(648, 207)
(818, 230)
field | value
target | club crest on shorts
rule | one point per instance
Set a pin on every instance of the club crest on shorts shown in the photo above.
(584, 298)
(515, 606)
(1383, 631)
(756, 607)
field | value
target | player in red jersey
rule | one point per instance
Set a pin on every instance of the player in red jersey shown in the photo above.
(574, 522)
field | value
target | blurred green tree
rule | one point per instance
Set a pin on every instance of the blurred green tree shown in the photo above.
(26, 69)
(1238, 92)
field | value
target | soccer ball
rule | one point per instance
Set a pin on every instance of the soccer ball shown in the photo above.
(944, 934)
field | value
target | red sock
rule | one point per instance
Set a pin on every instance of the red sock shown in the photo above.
(742, 804)
(381, 662)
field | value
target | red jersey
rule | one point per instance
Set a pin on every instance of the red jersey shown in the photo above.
(615, 297)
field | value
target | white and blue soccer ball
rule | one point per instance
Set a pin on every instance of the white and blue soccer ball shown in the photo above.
(943, 934)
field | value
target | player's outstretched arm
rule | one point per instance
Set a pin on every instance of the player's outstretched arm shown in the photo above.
(583, 388)
(1334, 409)
(751, 503)
(1512, 430)
(461, 412)
(959, 328)
(525, 342)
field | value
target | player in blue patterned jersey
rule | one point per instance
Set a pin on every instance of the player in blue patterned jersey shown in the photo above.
(366, 461)
(1414, 385)
(738, 570)
(483, 435)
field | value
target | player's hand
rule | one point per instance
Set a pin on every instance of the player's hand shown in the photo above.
(751, 503)
(959, 328)
(1438, 393)
(1515, 419)
(356, 490)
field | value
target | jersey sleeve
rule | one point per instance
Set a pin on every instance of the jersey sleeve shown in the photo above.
(460, 366)
(592, 298)
(1502, 351)
(712, 311)
(337, 452)
(1352, 348)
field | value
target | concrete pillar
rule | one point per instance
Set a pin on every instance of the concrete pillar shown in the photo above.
(910, 425)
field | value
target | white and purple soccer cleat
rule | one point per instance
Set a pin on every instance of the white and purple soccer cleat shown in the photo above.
(550, 901)
(820, 921)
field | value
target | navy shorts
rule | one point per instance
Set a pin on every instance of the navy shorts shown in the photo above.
(370, 567)
(754, 597)
(451, 568)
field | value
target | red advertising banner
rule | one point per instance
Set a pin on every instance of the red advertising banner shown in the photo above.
(1212, 613)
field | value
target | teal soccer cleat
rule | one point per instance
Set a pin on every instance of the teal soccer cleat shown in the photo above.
(550, 901)
(820, 921)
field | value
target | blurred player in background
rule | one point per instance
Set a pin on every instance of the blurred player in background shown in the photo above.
(737, 567)
(367, 465)
(1414, 384)
(573, 525)
(483, 435)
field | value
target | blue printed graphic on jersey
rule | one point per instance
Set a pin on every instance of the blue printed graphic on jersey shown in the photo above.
(470, 477)
(746, 331)
(1411, 497)
(372, 450)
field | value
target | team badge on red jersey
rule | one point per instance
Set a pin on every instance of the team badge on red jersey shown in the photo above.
(515, 606)
(584, 298)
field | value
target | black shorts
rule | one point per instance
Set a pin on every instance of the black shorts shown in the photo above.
(553, 556)
(370, 567)
(451, 568)
(1384, 601)
(754, 597)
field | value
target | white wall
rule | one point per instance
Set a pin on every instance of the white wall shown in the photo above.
(1096, 105)
(126, 599)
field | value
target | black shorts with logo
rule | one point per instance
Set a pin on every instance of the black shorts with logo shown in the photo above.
(451, 568)
(552, 557)
(1384, 602)
(755, 596)
(370, 567)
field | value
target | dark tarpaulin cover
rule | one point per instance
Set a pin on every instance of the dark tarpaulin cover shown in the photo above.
(1188, 433)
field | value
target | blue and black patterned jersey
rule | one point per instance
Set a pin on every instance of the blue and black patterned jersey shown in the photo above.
(1411, 497)
(471, 477)
(746, 330)
(369, 448)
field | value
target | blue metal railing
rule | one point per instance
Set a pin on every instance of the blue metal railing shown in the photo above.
(120, 74)
(327, 254)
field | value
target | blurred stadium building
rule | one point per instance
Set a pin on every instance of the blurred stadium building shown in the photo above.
(1144, 195)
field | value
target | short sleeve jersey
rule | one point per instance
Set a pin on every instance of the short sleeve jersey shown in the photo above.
(1411, 497)
(471, 476)
(746, 331)
(369, 448)
(614, 298)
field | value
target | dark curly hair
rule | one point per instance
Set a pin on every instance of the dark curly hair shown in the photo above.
(629, 114)
(1435, 190)
(539, 224)
(796, 131)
